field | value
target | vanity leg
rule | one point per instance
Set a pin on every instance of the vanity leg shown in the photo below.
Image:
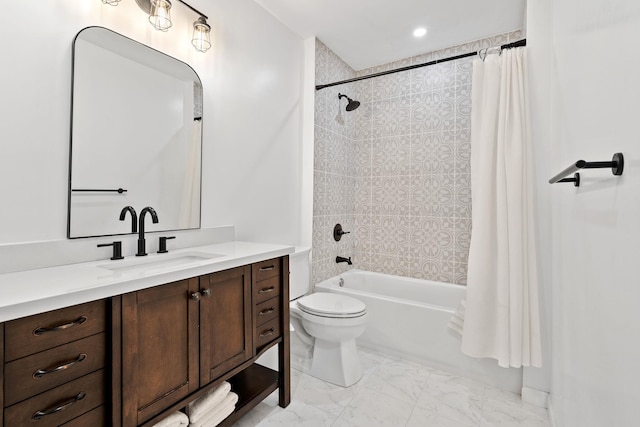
(284, 353)
(116, 362)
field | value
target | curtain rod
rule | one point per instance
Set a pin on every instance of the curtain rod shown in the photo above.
(519, 43)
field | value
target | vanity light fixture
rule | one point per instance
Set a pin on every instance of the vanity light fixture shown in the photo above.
(159, 15)
(160, 18)
(201, 34)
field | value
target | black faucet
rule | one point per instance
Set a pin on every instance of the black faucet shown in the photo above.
(340, 259)
(142, 250)
(134, 217)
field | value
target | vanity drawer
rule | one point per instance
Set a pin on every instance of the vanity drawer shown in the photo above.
(266, 289)
(266, 311)
(267, 332)
(33, 334)
(42, 371)
(93, 418)
(57, 406)
(265, 269)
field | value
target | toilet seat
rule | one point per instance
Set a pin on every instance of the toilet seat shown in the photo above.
(325, 304)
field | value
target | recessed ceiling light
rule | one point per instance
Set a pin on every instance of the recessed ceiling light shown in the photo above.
(419, 32)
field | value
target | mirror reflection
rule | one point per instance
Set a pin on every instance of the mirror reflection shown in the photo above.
(136, 136)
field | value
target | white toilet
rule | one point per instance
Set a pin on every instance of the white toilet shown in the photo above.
(328, 322)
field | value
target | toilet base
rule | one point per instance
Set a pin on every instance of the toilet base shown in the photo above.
(336, 362)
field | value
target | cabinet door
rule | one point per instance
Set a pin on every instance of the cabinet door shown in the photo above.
(160, 349)
(225, 322)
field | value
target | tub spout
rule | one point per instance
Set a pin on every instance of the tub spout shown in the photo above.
(340, 259)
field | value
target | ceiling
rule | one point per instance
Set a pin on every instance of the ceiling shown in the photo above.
(365, 33)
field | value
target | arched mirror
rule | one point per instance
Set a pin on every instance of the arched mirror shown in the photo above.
(136, 136)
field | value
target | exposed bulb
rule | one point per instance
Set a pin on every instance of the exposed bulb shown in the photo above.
(201, 35)
(159, 15)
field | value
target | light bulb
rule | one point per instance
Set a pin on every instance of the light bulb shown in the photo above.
(201, 34)
(159, 15)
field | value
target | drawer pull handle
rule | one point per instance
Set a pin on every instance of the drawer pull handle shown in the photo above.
(39, 414)
(267, 290)
(267, 311)
(196, 296)
(206, 293)
(79, 321)
(267, 333)
(42, 372)
(271, 267)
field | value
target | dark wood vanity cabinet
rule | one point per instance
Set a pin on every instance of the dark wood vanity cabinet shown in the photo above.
(159, 348)
(181, 339)
(225, 322)
(53, 367)
(267, 287)
(135, 358)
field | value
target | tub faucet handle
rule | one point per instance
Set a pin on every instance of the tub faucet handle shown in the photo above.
(338, 232)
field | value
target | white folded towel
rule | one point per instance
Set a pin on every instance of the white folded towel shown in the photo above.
(456, 323)
(207, 402)
(216, 415)
(177, 419)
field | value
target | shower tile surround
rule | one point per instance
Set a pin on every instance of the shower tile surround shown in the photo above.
(395, 172)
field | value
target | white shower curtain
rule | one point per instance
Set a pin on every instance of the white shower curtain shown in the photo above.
(500, 314)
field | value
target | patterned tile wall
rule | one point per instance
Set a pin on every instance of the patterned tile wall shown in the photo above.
(334, 168)
(395, 171)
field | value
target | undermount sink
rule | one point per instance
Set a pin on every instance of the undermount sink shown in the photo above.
(159, 262)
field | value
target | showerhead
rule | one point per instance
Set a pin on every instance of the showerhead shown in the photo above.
(352, 105)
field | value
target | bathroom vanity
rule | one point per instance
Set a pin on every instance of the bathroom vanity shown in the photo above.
(147, 337)
(128, 342)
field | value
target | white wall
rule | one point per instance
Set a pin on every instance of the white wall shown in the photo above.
(593, 94)
(252, 112)
(537, 381)
(252, 167)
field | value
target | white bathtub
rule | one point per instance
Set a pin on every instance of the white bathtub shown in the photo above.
(409, 318)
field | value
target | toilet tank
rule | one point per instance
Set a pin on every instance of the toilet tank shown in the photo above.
(300, 272)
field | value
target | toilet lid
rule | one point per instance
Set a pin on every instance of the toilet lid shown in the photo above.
(331, 305)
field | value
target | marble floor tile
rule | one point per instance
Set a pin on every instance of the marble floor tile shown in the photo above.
(453, 397)
(502, 409)
(398, 379)
(296, 414)
(371, 408)
(452, 389)
(257, 414)
(463, 409)
(395, 392)
(425, 418)
(328, 397)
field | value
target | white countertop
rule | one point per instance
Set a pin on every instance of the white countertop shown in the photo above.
(30, 292)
